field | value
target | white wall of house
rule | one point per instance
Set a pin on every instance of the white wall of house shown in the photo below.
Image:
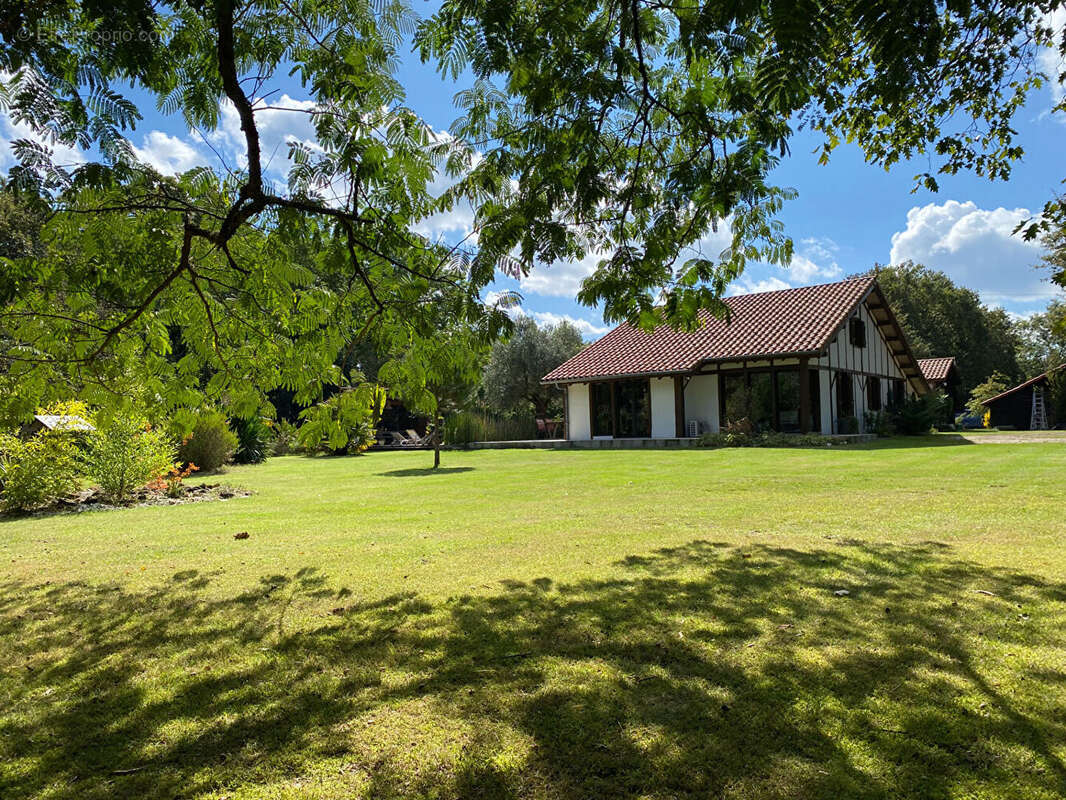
(701, 401)
(825, 399)
(662, 408)
(875, 358)
(578, 417)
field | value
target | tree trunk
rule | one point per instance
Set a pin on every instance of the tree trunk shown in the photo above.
(437, 435)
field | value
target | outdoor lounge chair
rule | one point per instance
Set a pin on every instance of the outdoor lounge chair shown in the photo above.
(412, 439)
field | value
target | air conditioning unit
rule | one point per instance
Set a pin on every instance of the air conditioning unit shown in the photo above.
(692, 429)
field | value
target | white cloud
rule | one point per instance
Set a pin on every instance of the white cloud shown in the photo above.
(814, 260)
(1050, 61)
(976, 248)
(563, 278)
(168, 154)
(279, 123)
(11, 130)
(588, 329)
(749, 286)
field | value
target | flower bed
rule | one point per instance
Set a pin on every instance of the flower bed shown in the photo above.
(96, 500)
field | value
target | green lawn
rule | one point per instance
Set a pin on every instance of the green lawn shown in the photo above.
(541, 624)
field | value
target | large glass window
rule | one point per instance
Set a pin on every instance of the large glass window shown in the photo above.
(602, 410)
(735, 400)
(621, 408)
(897, 393)
(788, 400)
(762, 400)
(769, 400)
(632, 401)
(845, 395)
(873, 394)
(815, 376)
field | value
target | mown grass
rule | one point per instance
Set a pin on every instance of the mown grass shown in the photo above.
(543, 624)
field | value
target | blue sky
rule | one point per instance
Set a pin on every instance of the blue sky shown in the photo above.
(848, 215)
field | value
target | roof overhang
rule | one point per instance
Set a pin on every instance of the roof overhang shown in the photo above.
(622, 376)
(1026, 384)
(897, 342)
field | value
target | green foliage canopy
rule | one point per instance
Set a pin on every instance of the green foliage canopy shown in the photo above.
(218, 286)
(649, 124)
(997, 383)
(1042, 339)
(516, 365)
(626, 128)
(345, 422)
(942, 319)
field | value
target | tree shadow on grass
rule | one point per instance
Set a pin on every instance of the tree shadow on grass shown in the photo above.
(413, 472)
(697, 671)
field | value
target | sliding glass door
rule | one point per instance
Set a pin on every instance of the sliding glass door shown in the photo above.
(769, 399)
(621, 408)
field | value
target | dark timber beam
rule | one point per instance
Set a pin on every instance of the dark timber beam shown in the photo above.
(805, 396)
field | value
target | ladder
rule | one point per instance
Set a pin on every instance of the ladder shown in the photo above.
(1039, 418)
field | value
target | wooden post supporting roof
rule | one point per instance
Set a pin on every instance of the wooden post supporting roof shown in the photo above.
(805, 395)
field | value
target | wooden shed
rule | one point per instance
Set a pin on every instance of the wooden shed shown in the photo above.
(1025, 407)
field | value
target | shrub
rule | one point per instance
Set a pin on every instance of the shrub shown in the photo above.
(918, 415)
(881, 423)
(253, 440)
(739, 438)
(848, 425)
(173, 481)
(210, 444)
(285, 438)
(996, 384)
(37, 472)
(127, 453)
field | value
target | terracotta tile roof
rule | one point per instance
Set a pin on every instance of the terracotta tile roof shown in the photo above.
(1042, 376)
(935, 369)
(779, 323)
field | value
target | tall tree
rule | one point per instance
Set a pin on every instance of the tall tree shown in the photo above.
(628, 128)
(512, 377)
(942, 319)
(21, 220)
(1042, 339)
(1054, 241)
(438, 375)
(266, 283)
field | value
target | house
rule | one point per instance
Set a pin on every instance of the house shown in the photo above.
(1025, 407)
(810, 359)
(942, 375)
